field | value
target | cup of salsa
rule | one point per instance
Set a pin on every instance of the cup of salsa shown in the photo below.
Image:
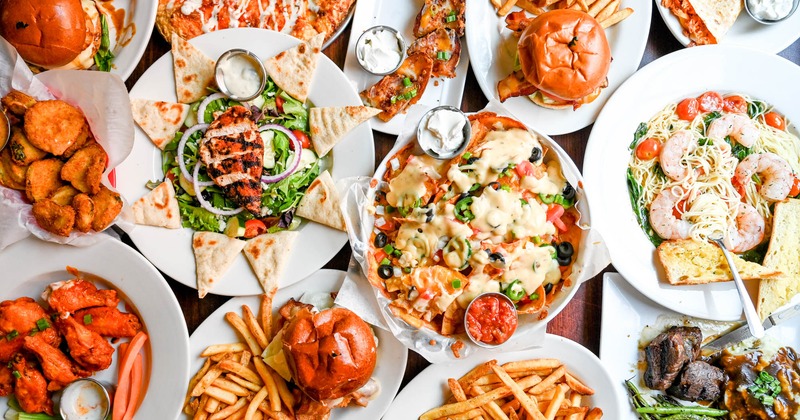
(491, 319)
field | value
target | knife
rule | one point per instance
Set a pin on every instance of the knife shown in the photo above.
(743, 333)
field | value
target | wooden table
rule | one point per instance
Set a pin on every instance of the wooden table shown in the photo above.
(580, 320)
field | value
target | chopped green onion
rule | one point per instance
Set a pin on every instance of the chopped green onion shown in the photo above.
(456, 283)
(12, 335)
(394, 99)
(411, 93)
(87, 319)
(42, 324)
(407, 270)
(451, 17)
(443, 55)
(406, 82)
(466, 155)
(505, 188)
(16, 374)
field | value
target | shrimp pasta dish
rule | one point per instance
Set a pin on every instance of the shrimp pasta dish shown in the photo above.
(713, 166)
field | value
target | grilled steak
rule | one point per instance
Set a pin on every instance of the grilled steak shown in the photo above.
(698, 381)
(668, 353)
(233, 153)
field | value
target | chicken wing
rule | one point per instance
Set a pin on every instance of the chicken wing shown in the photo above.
(18, 318)
(56, 366)
(6, 380)
(87, 348)
(30, 387)
(75, 294)
(109, 322)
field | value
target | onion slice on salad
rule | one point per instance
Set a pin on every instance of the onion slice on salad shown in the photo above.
(201, 109)
(298, 150)
(181, 145)
(205, 204)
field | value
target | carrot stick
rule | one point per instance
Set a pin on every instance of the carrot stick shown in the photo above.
(123, 385)
(121, 394)
(136, 384)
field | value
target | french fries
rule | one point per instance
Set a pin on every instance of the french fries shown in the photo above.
(606, 12)
(540, 389)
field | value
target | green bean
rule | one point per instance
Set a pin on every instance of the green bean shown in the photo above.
(705, 411)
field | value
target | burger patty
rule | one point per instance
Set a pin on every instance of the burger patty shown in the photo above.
(233, 153)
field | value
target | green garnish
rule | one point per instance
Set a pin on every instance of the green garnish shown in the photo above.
(462, 210)
(87, 319)
(406, 82)
(12, 335)
(42, 324)
(765, 388)
(103, 57)
(16, 374)
(515, 291)
(389, 249)
(451, 16)
(443, 55)
(466, 155)
(641, 131)
(385, 261)
(456, 283)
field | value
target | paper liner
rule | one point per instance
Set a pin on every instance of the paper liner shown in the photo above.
(103, 98)
(374, 306)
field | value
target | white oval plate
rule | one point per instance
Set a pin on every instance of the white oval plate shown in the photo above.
(31, 264)
(140, 17)
(745, 32)
(487, 33)
(392, 356)
(170, 249)
(429, 389)
(713, 67)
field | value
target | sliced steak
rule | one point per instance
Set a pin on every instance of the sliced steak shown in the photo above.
(698, 381)
(668, 353)
(233, 153)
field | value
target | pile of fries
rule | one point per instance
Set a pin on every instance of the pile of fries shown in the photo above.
(535, 389)
(234, 382)
(605, 12)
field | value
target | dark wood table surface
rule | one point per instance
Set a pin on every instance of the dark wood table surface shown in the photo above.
(580, 320)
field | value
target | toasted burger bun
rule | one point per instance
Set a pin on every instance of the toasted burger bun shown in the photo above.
(330, 354)
(52, 33)
(565, 54)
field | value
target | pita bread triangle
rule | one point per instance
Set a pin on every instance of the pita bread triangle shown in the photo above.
(321, 203)
(213, 255)
(293, 70)
(268, 255)
(158, 119)
(158, 207)
(329, 125)
(194, 71)
(717, 15)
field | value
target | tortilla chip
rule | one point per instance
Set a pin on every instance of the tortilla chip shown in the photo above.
(293, 70)
(268, 254)
(213, 255)
(158, 119)
(718, 15)
(329, 125)
(194, 71)
(321, 203)
(158, 207)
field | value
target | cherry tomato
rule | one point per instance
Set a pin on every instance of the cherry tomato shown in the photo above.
(554, 213)
(773, 119)
(279, 104)
(795, 187)
(734, 103)
(710, 101)
(253, 228)
(687, 109)
(303, 138)
(648, 149)
(524, 169)
(680, 208)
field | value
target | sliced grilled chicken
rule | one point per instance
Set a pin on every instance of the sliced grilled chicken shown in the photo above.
(443, 47)
(233, 153)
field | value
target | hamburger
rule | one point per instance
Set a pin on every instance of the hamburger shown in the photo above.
(563, 57)
(56, 34)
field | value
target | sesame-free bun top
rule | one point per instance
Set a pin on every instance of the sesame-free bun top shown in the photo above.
(47, 33)
(565, 54)
(330, 354)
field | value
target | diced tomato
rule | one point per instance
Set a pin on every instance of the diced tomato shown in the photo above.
(380, 255)
(524, 169)
(775, 120)
(680, 208)
(439, 255)
(303, 138)
(554, 213)
(687, 109)
(279, 104)
(795, 187)
(253, 228)
(710, 101)
(734, 103)
(171, 176)
(426, 294)
(648, 149)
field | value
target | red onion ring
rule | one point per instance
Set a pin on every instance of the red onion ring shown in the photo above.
(298, 150)
(201, 110)
(182, 144)
(205, 204)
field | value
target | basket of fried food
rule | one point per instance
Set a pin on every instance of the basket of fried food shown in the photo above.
(528, 389)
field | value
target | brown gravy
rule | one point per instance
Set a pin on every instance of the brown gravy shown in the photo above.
(743, 369)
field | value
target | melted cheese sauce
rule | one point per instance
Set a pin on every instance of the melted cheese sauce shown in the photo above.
(501, 148)
(409, 186)
(501, 216)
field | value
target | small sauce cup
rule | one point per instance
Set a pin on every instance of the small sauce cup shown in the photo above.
(490, 319)
(425, 137)
(5, 129)
(765, 21)
(374, 31)
(240, 74)
(85, 399)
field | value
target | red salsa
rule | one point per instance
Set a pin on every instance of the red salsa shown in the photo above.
(491, 319)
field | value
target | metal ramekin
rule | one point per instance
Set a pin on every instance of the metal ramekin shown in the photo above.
(400, 42)
(467, 132)
(466, 326)
(260, 70)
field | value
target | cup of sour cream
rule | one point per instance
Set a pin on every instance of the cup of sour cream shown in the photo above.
(85, 399)
(380, 50)
(240, 74)
(444, 132)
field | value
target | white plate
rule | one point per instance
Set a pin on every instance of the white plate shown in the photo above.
(487, 33)
(714, 67)
(30, 265)
(626, 312)
(400, 15)
(429, 389)
(745, 32)
(140, 16)
(392, 356)
(170, 249)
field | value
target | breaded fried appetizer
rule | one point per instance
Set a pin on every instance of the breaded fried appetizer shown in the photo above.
(53, 126)
(22, 151)
(15, 172)
(64, 195)
(82, 142)
(85, 168)
(107, 205)
(44, 178)
(17, 102)
(6, 170)
(84, 212)
(54, 218)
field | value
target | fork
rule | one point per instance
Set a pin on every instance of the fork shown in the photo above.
(753, 320)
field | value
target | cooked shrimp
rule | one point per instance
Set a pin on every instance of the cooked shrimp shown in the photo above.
(748, 231)
(738, 126)
(774, 171)
(675, 147)
(663, 221)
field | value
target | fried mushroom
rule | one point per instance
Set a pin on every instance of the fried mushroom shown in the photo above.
(84, 212)
(54, 218)
(107, 205)
(43, 179)
(53, 126)
(84, 169)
